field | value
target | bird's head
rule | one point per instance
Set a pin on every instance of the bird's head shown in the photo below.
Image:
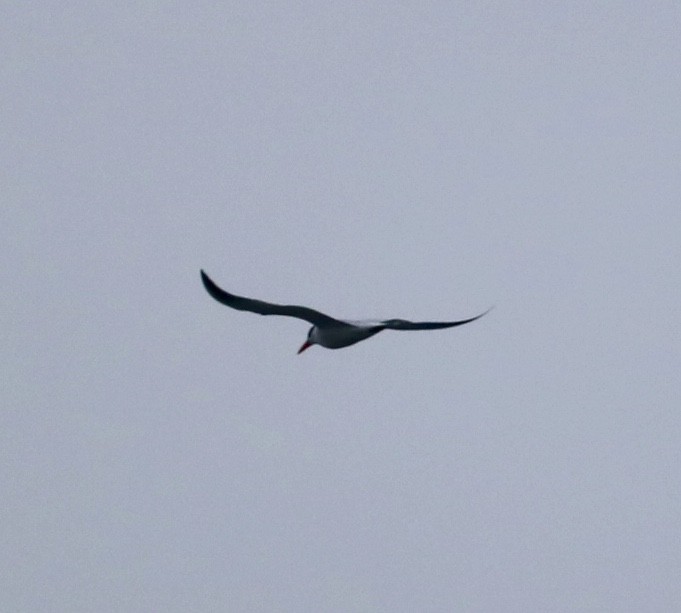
(309, 342)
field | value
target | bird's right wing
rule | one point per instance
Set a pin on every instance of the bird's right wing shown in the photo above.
(265, 308)
(403, 324)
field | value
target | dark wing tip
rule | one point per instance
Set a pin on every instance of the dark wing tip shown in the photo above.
(207, 281)
(471, 319)
(494, 306)
(216, 292)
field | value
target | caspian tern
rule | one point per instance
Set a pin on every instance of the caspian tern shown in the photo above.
(326, 331)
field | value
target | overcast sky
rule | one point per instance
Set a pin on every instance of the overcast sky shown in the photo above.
(423, 160)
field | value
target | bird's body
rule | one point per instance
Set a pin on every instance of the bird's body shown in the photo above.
(343, 335)
(326, 331)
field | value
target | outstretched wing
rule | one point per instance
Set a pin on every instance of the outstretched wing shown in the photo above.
(403, 324)
(265, 308)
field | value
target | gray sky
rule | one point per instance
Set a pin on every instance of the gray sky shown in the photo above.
(161, 452)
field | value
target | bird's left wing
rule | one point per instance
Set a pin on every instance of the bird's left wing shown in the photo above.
(265, 308)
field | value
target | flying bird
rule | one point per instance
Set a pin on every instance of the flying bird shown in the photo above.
(326, 331)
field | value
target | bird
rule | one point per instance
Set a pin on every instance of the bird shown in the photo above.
(326, 331)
